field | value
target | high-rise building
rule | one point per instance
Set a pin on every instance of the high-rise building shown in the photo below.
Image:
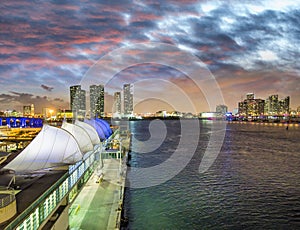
(32, 110)
(26, 110)
(128, 99)
(222, 109)
(273, 105)
(117, 103)
(284, 106)
(251, 106)
(77, 100)
(97, 100)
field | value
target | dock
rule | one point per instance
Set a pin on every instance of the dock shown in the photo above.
(99, 204)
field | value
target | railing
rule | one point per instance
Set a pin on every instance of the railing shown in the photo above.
(8, 199)
(19, 221)
(35, 204)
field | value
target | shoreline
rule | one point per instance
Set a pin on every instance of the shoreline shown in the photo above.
(276, 124)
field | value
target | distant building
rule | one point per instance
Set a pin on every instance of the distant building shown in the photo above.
(250, 96)
(222, 109)
(161, 113)
(274, 106)
(117, 103)
(64, 114)
(284, 106)
(97, 100)
(128, 99)
(251, 107)
(77, 100)
(28, 110)
(48, 112)
(208, 115)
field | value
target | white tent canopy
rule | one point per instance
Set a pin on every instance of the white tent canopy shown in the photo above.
(90, 130)
(81, 136)
(51, 147)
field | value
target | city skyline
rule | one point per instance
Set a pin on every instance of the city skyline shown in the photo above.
(79, 98)
(249, 46)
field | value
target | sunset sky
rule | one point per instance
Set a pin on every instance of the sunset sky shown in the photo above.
(247, 46)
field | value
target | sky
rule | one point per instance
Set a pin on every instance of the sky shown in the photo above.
(245, 46)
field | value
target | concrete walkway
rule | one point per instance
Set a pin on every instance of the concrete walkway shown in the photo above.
(97, 206)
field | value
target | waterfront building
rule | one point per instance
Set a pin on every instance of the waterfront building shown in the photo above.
(267, 107)
(284, 106)
(272, 105)
(128, 99)
(117, 103)
(64, 114)
(161, 113)
(222, 109)
(97, 100)
(208, 115)
(242, 108)
(251, 107)
(77, 100)
(26, 110)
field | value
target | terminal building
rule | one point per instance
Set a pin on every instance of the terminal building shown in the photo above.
(38, 186)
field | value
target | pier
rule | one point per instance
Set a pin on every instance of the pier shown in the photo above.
(99, 205)
(86, 195)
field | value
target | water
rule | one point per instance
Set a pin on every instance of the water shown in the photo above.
(253, 184)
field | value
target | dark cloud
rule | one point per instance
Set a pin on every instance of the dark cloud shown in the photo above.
(55, 42)
(48, 88)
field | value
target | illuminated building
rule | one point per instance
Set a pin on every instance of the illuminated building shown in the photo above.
(250, 96)
(128, 99)
(117, 103)
(208, 115)
(26, 110)
(222, 109)
(242, 108)
(272, 105)
(284, 106)
(68, 114)
(97, 100)
(77, 100)
(251, 107)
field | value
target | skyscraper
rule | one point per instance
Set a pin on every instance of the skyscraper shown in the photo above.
(284, 106)
(97, 100)
(128, 99)
(273, 105)
(251, 106)
(77, 100)
(117, 103)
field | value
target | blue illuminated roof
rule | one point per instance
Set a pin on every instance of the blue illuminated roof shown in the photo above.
(105, 126)
(97, 126)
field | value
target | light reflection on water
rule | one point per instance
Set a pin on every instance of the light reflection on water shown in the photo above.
(253, 184)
